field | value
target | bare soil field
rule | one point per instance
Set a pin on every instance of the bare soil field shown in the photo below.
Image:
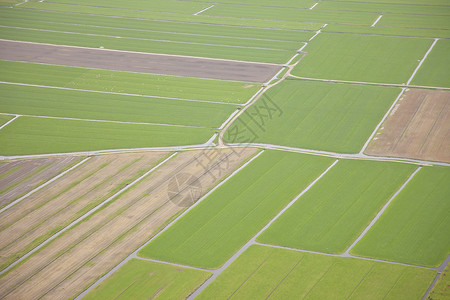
(418, 127)
(137, 62)
(48, 210)
(83, 254)
(22, 176)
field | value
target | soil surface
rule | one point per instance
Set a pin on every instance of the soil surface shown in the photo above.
(137, 62)
(418, 127)
(83, 254)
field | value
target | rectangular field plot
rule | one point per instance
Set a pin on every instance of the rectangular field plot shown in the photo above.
(362, 58)
(17, 178)
(435, 70)
(127, 82)
(53, 102)
(271, 273)
(334, 212)
(416, 226)
(5, 119)
(314, 115)
(384, 8)
(29, 135)
(101, 241)
(139, 279)
(418, 127)
(441, 21)
(215, 229)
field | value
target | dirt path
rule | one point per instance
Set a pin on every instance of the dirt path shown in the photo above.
(137, 61)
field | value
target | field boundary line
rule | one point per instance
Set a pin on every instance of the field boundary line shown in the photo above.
(440, 269)
(205, 9)
(371, 83)
(10, 121)
(227, 120)
(366, 144)
(376, 21)
(84, 216)
(382, 210)
(252, 241)
(43, 185)
(114, 93)
(110, 121)
(314, 5)
(142, 39)
(160, 31)
(134, 254)
(146, 53)
(342, 155)
(422, 60)
(341, 255)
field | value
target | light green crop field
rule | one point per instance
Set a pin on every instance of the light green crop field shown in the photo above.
(362, 58)
(389, 31)
(211, 232)
(435, 70)
(28, 135)
(126, 82)
(271, 273)
(172, 16)
(418, 21)
(139, 279)
(316, 115)
(292, 14)
(336, 210)
(383, 7)
(416, 226)
(40, 101)
(4, 119)
(441, 289)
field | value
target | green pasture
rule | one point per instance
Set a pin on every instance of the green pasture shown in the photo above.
(336, 210)
(162, 26)
(440, 290)
(314, 115)
(416, 226)
(215, 229)
(172, 16)
(126, 82)
(272, 273)
(383, 7)
(435, 70)
(139, 279)
(388, 31)
(41, 101)
(291, 14)
(362, 58)
(441, 21)
(29, 135)
(4, 119)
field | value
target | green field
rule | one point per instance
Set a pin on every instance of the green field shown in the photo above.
(362, 58)
(139, 279)
(214, 230)
(28, 135)
(382, 7)
(126, 82)
(4, 119)
(40, 101)
(435, 69)
(416, 226)
(441, 21)
(271, 273)
(315, 115)
(441, 289)
(334, 212)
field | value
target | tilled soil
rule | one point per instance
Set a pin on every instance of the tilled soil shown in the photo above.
(418, 127)
(79, 257)
(137, 62)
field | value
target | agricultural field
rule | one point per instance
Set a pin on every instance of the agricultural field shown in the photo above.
(271, 273)
(415, 227)
(181, 149)
(333, 213)
(348, 115)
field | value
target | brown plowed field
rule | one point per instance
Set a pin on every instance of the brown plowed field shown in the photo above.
(137, 62)
(64, 200)
(83, 254)
(21, 176)
(418, 127)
